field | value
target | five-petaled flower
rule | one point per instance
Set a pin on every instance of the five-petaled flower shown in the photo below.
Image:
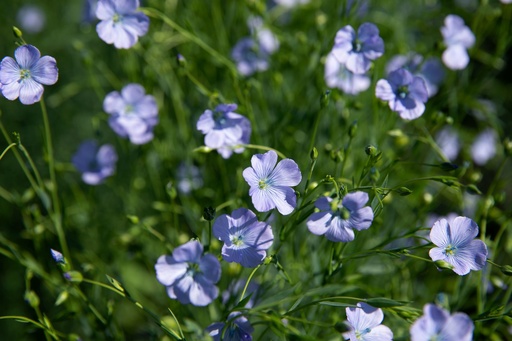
(120, 23)
(457, 38)
(225, 130)
(406, 94)
(23, 77)
(364, 322)
(189, 275)
(245, 238)
(238, 329)
(133, 113)
(357, 51)
(271, 187)
(336, 220)
(456, 245)
(437, 324)
(95, 162)
(338, 76)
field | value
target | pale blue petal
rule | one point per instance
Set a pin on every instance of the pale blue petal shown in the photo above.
(9, 71)
(318, 223)
(440, 233)
(210, 267)
(384, 91)
(105, 10)
(338, 231)
(202, 291)
(11, 91)
(188, 252)
(458, 327)
(286, 173)
(455, 57)
(45, 71)
(30, 91)
(354, 201)
(26, 56)
(168, 271)
(263, 164)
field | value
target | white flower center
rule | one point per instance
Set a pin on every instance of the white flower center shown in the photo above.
(360, 334)
(450, 250)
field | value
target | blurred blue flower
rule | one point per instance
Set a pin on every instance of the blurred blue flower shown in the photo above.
(269, 186)
(89, 11)
(291, 3)
(189, 178)
(449, 142)
(457, 38)
(133, 113)
(364, 322)
(31, 18)
(245, 238)
(484, 146)
(267, 40)
(456, 245)
(430, 70)
(437, 324)
(357, 51)
(23, 77)
(338, 76)
(120, 23)
(189, 275)
(406, 94)
(249, 56)
(94, 162)
(225, 130)
(238, 329)
(337, 220)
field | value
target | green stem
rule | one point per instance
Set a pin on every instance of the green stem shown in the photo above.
(247, 282)
(57, 214)
(7, 149)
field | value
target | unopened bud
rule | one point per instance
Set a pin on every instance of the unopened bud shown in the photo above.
(73, 276)
(209, 213)
(324, 99)
(32, 299)
(370, 150)
(17, 32)
(352, 130)
(472, 189)
(441, 264)
(403, 191)
(507, 270)
(313, 154)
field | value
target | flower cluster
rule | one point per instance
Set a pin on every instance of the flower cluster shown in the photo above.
(252, 54)
(351, 56)
(456, 245)
(270, 185)
(337, 220)
(95, 162)
(23, 77)
(121, 24)
(457, 38)
(188, 275)
(225, 130)
(133, 113)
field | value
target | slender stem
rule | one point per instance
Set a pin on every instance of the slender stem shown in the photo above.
(7, 149)
(57, 215)
(248, 281)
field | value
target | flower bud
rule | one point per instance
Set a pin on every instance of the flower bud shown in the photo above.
(352, 130)
(403, 191)
(324, 99)
(209, 213)
(441, 264)
(17, 32)
(313, 154)
(370, 150)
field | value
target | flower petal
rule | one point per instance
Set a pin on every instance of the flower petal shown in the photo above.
(30, 91)
(9, 71)
(463, 230)
(188, 252)
(11, 91)
(26, 56)
(455, 57)
(354, 201)
(263, 164)
(210, 268)
(202, 292)
(168, 271)
(364, 316)
(440, 233)
(45, 71)
(286, 173)
(338, 231)
(458, 327)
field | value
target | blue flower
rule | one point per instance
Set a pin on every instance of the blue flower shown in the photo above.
(245, 238)
(364, 322)
(338, 76)
(484, 146)
(269, 186)
(430, 70)
(225, 130)
(95, 162)
(189, 178)
(189, 275)
(449, 142)
(31, 18)
(120, 23)
(23, 77)
(238, 329)
(357, 51)
(133, 113)
(437, 324)
(249, 57)
(456, 245)
(337, 220)
(457, 38)
(406, 94)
